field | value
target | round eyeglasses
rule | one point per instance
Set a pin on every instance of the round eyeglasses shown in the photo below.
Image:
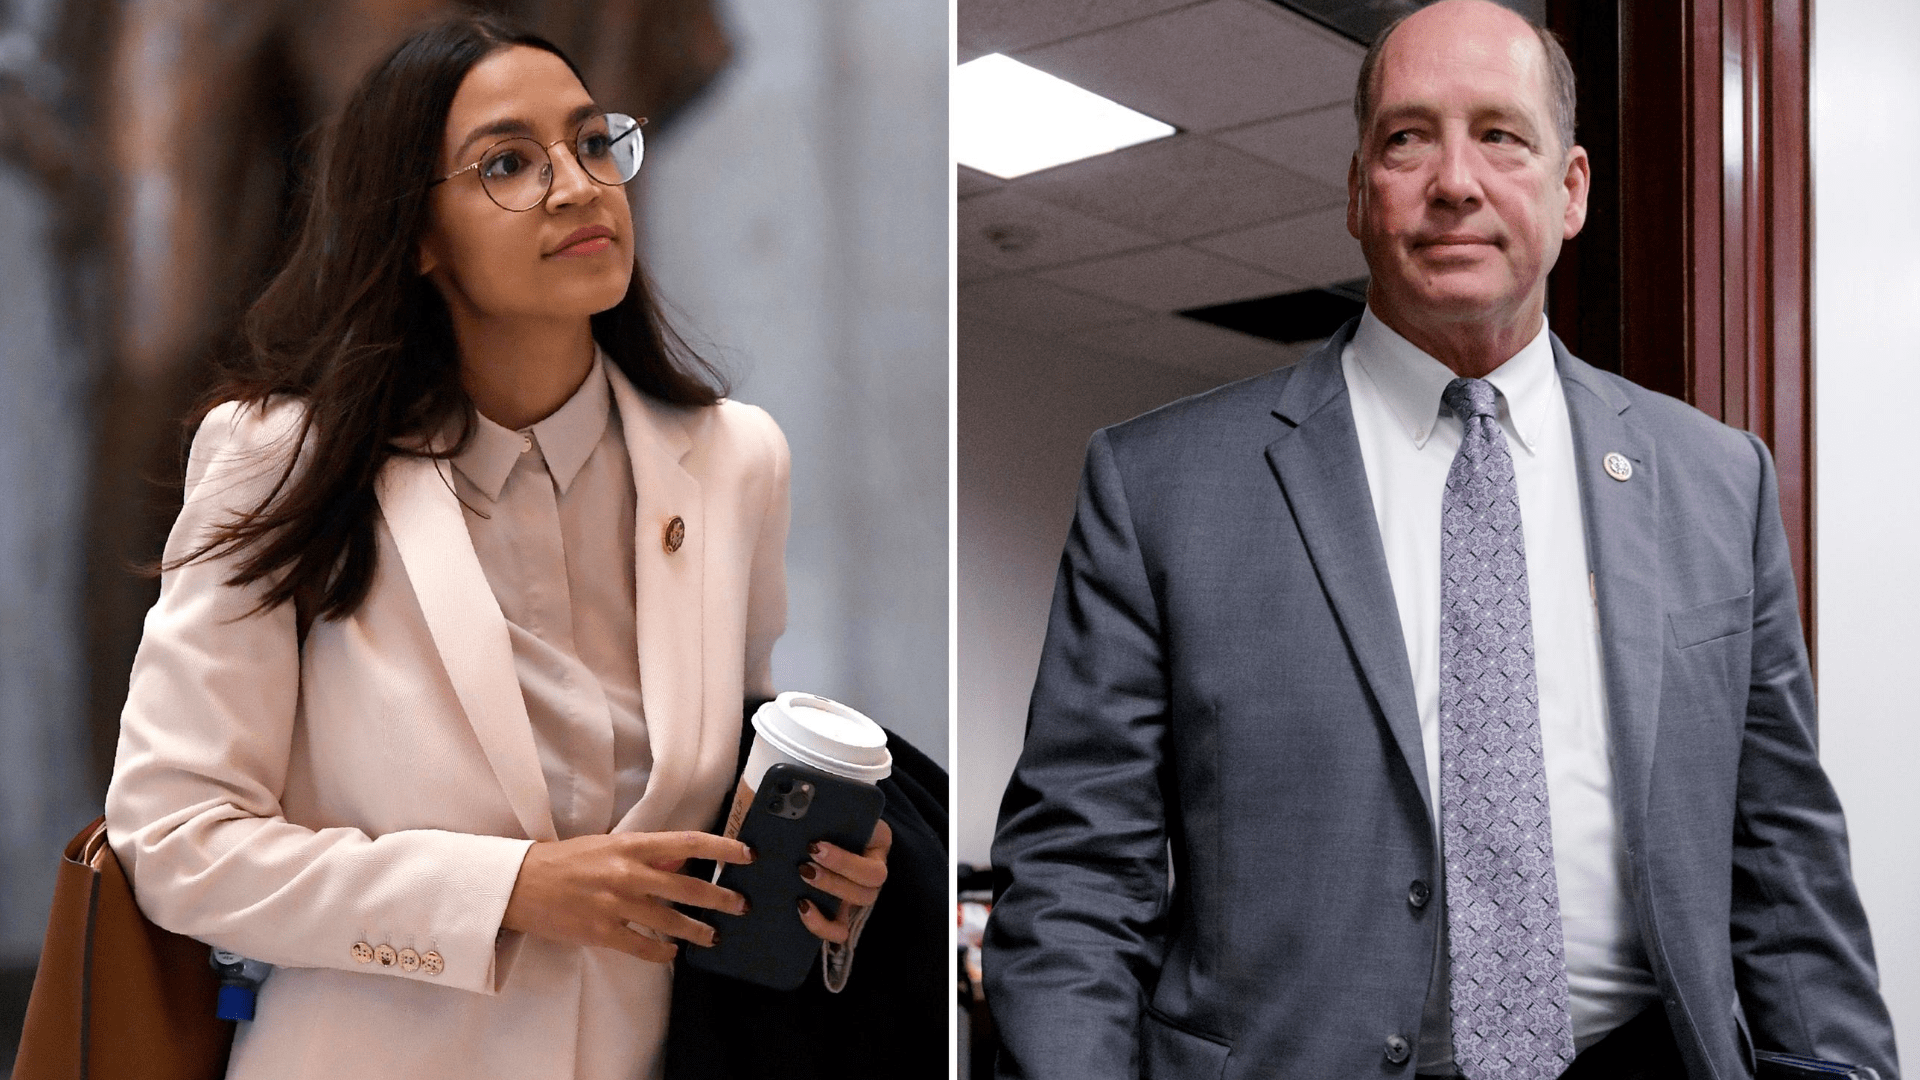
(517, 173)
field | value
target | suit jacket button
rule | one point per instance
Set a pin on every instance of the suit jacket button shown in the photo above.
(1417, 893)
(363, 952)
(674, 535)
(432, 964)
(1398, 1049)
(386, 955)
(409, 960)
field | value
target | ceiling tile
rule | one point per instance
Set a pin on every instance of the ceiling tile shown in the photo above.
(1211, 65)
(1005, 25)
(1313, 248)
(1040, 306)
(1168, 279)
(1317, 143)
(1171, 341)
(1179, 187)
(1005, 231)
(975, 182)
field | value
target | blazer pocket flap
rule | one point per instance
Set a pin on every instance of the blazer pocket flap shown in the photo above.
(1711, 621)
(1174, 1053)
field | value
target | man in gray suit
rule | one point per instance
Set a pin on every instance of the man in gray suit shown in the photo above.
(1437, 706)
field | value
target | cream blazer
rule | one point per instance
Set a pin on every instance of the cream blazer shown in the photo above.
(373, 794)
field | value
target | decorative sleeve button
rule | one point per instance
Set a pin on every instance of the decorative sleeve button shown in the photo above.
(386, 955)
(363, 952)
(432, 964)
(409, 960)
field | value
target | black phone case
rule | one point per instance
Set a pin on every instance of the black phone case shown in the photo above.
(769, 945)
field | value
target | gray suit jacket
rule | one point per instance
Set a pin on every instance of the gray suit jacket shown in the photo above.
(1224, 679)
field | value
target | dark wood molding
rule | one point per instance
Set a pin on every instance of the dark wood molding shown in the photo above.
(1694, 274)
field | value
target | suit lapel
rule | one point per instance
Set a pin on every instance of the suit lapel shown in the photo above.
(1622, 521)
(668, 587)
(1317, 460)
(469, 632)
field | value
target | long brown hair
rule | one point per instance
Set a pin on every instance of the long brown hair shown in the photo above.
(351, 329)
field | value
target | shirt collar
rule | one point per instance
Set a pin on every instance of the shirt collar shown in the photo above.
(1412, 381)
(566, 437)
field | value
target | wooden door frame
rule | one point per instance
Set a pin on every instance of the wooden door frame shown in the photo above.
(1694, 276)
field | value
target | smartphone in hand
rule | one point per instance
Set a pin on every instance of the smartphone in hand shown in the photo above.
(795, 806)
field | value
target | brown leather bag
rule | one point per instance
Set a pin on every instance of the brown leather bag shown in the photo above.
(116, 997)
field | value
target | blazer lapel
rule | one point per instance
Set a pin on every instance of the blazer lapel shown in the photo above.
(1622, 521)
(1318, 463)
(469, 632)
(669, 593)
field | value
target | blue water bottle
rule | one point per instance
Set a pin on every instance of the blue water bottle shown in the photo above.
(240, 980)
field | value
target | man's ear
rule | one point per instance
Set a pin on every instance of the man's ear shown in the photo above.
(1354, 190)
(1578, 182)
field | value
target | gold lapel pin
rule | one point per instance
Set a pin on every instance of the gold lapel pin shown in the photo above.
(1617, 465)
(675, 534)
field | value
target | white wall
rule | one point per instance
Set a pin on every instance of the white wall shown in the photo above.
(798, 220)
(1027, 408)
(1866, 226)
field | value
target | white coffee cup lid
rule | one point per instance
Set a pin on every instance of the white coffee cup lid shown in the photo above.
(825, 734)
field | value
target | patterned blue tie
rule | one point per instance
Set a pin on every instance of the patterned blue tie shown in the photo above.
(1511, 1019)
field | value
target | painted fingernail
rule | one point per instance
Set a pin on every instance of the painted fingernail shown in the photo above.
(713, 938)
(805, 905)
(813, 848)
(741, 907)
(749, 852)
(807, 871)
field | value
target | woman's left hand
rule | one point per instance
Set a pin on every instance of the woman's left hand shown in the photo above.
(854, 879)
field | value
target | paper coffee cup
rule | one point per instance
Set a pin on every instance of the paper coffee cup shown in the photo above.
(806, 729)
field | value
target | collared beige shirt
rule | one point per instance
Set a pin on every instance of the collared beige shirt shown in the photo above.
(551, 513)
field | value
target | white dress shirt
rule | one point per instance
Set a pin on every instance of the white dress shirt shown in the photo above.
(1407, 442)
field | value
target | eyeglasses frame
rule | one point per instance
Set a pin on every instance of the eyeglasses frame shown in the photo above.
(573, 150)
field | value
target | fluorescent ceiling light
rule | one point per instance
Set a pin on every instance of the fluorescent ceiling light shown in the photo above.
(1010, 119)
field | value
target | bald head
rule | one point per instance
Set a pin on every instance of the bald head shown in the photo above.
(1486, 22)
(1466, 184)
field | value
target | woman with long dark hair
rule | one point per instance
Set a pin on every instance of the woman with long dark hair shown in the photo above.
(475, 568)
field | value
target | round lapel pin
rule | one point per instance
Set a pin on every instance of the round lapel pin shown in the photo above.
(1618, 466)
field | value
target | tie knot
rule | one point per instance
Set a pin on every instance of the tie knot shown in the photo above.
(1469, 398)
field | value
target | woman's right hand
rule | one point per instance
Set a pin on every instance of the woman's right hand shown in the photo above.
(586, 890)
